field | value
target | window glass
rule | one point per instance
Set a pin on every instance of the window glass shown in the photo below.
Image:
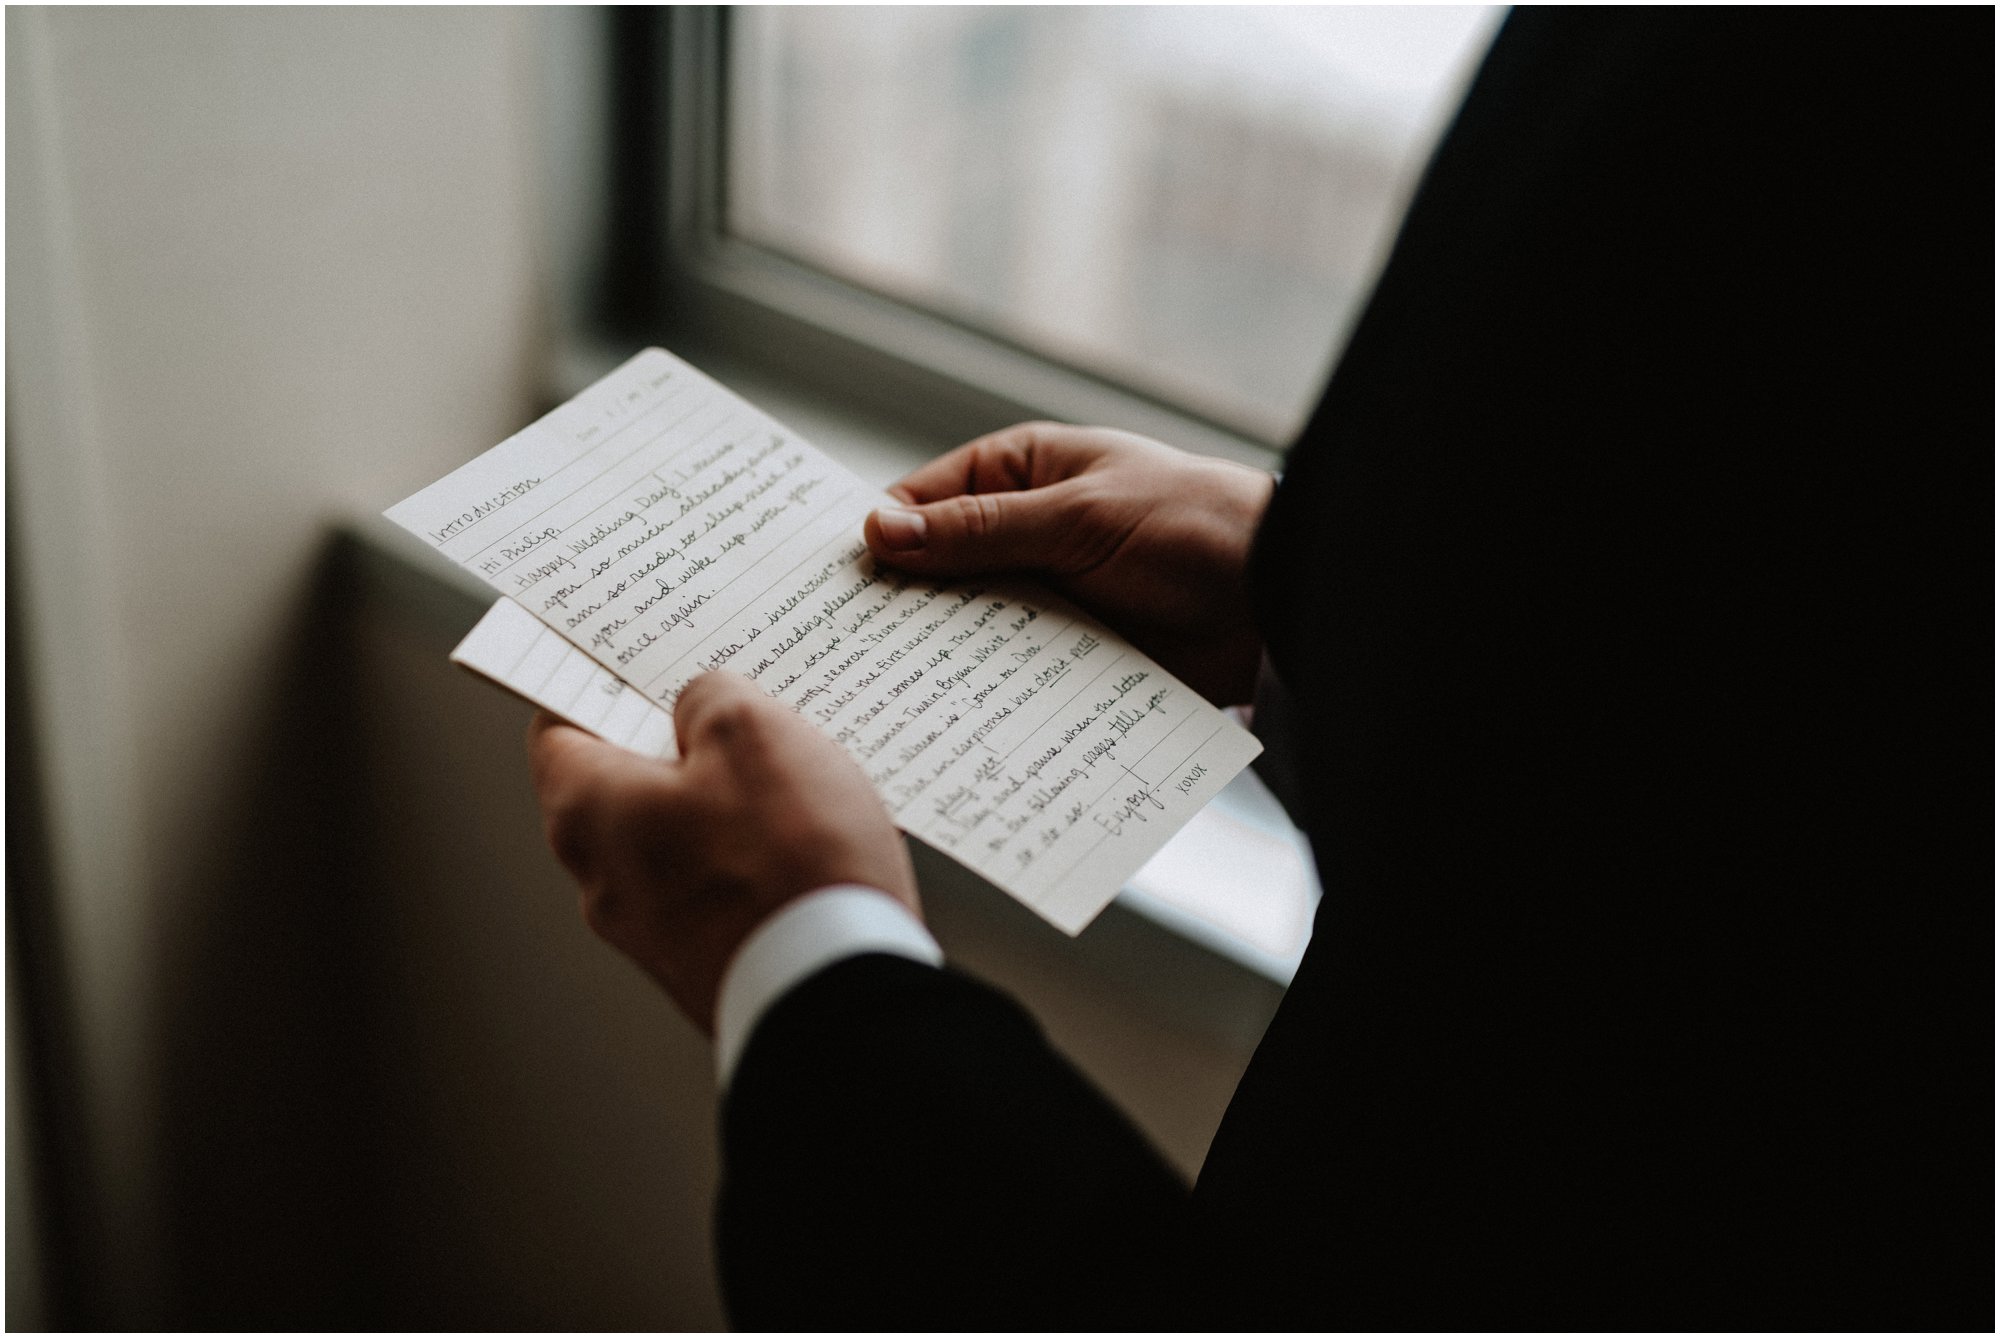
(1191, 201)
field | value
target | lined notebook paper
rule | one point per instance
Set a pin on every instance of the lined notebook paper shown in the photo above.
(657, 526)
(522, 654)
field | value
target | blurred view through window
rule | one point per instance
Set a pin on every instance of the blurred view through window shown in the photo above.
(1191, 201)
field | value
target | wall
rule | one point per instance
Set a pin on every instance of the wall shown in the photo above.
(335, 1051)
(264, 267)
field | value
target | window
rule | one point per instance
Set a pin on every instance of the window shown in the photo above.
(1189, 202)
(1162, 219)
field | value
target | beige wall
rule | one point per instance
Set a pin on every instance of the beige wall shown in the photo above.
(263, 266)
(343, 1055)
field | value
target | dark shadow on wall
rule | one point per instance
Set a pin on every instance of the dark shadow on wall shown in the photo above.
(271, 1111)
(50, 1223)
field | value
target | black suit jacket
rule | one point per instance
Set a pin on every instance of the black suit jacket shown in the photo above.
(1633, 581)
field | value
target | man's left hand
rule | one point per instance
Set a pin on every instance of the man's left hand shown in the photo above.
(679, 861)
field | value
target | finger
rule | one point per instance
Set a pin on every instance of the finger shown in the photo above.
(566, 761)
(1037, 530)
(1027, 455)
(579, 782)
(718, 709)
(548, 744)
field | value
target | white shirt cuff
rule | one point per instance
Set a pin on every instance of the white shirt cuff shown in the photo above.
(807, 936)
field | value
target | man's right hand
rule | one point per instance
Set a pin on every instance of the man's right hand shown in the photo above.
(1154, 541)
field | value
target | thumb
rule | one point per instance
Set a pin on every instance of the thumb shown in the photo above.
(978, 532)
(719, 708)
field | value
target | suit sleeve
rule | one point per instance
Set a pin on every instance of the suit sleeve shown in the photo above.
(1635, 580)
(903, 1150)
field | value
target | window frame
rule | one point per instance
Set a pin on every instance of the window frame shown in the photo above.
(937, 374)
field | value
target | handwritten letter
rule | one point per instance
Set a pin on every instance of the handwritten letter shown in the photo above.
(663, 527)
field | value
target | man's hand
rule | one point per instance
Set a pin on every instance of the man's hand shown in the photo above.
(1154, 541)
(679, 861)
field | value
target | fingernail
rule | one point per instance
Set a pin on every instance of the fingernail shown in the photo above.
(901, 530)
